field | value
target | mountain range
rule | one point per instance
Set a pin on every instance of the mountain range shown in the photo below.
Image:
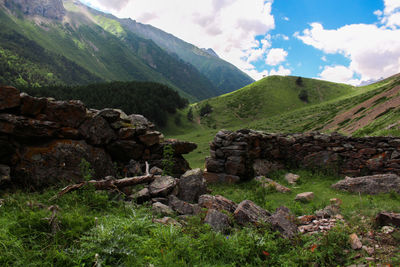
(65, 42)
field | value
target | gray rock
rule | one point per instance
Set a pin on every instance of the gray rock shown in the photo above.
(151, 138)
(32, 106)
(249, 213)
(305, 197)
(283, 221)
(217, 203)
(156, 171)
(162, 186)
(97, 131)
(375, 184)
(162, 200)
(112, 115)
(217, 220)
(125, 150)
(4, 173)
(162, 209)
(191, 186)
(328, 211)
(292, 178)
(355, 242)
(263, 167)
(182, 207)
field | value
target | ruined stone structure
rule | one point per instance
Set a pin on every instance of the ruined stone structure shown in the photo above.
(43, 141)
(245, 154)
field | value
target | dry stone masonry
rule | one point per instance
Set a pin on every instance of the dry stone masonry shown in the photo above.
(245, 154)
(43, 141)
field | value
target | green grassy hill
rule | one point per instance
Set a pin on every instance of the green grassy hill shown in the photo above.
(273, 104)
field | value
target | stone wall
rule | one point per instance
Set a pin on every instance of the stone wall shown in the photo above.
(245, 153)
(43, 141)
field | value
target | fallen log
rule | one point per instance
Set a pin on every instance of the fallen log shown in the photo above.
(108, 184)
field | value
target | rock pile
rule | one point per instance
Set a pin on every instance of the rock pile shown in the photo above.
(245, 154)
(43, 141)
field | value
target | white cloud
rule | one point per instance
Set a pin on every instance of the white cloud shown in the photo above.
(339, 74)
(276, 56)
(391, 6)
(227, 26)
(280, 71)
(257, 75)
(286, 18)
(374, 51)
(323, 58)
(258, 51)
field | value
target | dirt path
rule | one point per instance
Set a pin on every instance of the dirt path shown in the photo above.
(368, 115)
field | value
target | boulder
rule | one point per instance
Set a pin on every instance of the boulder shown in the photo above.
(32, 106)
(9, 97)
(180, 147)
(59, 161)
(191, 186)
(284, 222)
(140, 123)
(218, 203)
(4, 173)
(182, 207)
(125, 150)
(292, 178)
(217, 220)
(68, 113)
(162, 209)
(268, 183)
(162, 186)
(305, 197)
(375, 184)
(97, 131)
(249, 213)
(388, 218)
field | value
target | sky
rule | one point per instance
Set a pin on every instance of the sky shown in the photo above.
(347, 41)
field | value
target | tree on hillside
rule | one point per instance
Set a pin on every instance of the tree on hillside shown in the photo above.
(303, 95)
(299, 81)
(206, 109)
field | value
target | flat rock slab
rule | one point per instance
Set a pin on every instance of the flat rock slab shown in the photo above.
(268, 183)
(217, 203)
(162, 186)
(249, 213)
(375, 184)
(305, 197)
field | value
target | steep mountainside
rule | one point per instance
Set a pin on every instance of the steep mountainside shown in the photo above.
(93, 43)
(222, 74)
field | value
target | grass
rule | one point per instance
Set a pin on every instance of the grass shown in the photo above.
(95, 228)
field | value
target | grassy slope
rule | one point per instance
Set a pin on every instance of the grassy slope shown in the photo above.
(100, 45)
(272, 105)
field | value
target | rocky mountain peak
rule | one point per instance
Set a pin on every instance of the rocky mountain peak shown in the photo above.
(51, 9)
